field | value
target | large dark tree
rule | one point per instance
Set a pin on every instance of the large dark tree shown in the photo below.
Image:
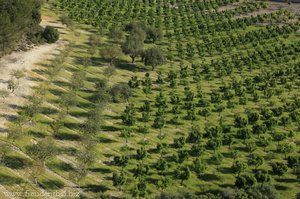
(17, 18)
(153, 57)
(134, 44)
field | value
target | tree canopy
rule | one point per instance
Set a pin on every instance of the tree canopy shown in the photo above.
(17, 18)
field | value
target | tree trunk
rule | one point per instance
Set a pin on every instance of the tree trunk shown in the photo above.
(132, 59)
(153, 67)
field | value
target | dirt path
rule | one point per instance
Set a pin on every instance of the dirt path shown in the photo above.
(25, 61)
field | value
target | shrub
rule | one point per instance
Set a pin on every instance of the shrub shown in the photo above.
(50, 34)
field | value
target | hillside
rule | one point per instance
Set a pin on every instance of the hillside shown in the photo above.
(155, 99)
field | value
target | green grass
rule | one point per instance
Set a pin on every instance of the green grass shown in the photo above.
(110, 143)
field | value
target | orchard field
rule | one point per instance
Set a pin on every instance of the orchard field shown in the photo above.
(163, 99)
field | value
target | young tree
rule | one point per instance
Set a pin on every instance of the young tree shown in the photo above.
(116, 34)
(86, 156)
(5, 149)
(256, 160)
(128, 116)
(238, 167)
(279, 136)
(147, 84)
(287, 148)
(179, 142)
(245, 181)
(279, 168)
(262, 176)
(264, 141)
(121, 92)
(36, 169)
(57, 124)
(141, 153)
(126, 133)
(119, 179)
(163, 182)
(293, 162)
(18, 74)
(141, 170)
(159, 123)
(66, 20)
(77, 81)
(15, 131)
(161, 165)
(199, 166)
(78, 174)
(94, 121)
(111, 53)
(94, 40)
(121, 161)
(12, 85)
(68, 100)
(4, 93)
(140, 189)
(217, 159)
(154, 34)
(43, 150)
(183, 173)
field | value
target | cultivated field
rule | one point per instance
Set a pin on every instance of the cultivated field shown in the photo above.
(209, 104)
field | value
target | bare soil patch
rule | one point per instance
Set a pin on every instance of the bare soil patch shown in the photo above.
(25, 61)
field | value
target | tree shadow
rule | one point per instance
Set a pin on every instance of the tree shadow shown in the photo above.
(209, 177)
(41, 71)
(56, 92)
(61, 83)
(227, 186)
(211, 191)
(9, 117)
(36, 134)
(95, 188)
(68, 136)
(63, 166)
(72, 125)
(244, 149)
(85, 105)
(101, 170)
(15, 162)
(281, 187)
(9, 180)
(287, 180)
(79, 114)
(48, 111)
(36, 79)
(225, 170)
(113, 117)
(110, 128)
(14, 106)
(92, 79)
(130, 67)
(51, 184)
(106, 140)
(227, 155)
(71, 151)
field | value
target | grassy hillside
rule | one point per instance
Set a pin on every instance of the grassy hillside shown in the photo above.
(219, 115)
